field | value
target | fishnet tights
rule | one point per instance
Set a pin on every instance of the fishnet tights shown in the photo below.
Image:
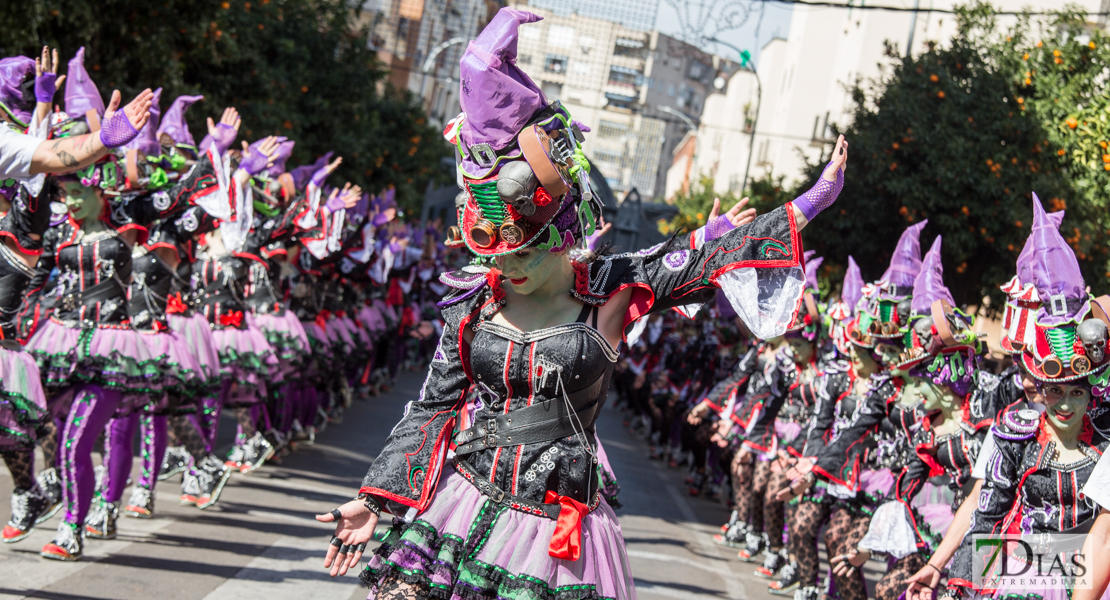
(894, 582)
(393, 587)
(186, 433)
(22, 465)
(844, 532)
(774, 515)
(804, 527)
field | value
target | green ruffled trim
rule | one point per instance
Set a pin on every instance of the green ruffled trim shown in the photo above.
(23, 438)
(287, 346)
(25, 410)
(114, 372)
(248, 361)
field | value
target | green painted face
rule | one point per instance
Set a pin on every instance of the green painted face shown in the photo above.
(529, 268)
(83, 202)
(1066, 405)
(935, 396)
(888, 352)
(802, 349)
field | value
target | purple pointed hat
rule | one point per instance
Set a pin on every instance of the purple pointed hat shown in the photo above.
(13, 75)
(812, 264)
(302, 173)
(282, 154)
(1055, 273)
(147, 140)
(81, 93)
(174, 125)
(498, 98)
(905, 263)
(852, 289)
(1024, 266)
(929, 285)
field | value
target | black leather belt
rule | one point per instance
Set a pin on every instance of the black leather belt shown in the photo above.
(105, 290)
(500, 496)
(542, 422)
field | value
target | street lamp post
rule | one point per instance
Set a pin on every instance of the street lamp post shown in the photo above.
(431, 61)
(670, 111)
(745, 61)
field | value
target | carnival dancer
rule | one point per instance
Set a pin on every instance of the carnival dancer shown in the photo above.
(1042, 460)
(161, 267)
(87, 350)
(946, 408)
(1018, 328)
(546, 344)
(843, 435)
(25, 204)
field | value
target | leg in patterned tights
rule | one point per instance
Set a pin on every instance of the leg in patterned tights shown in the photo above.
(774, 516)
(760, 479)
(842, 536)
(742, 470)
(807, 522)
(894, 582)
(245, 418)
(21, 463)
(189, 436)
(48, 441)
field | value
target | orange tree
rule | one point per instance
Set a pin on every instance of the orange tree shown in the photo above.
(962, 134)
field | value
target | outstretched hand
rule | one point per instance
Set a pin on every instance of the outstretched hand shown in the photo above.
(839, 159)
(137, 111)
(736, 215)
(353, 530)
(230, 119)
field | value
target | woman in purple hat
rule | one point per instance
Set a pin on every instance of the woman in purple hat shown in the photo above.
(1044, 454)
(517, 507)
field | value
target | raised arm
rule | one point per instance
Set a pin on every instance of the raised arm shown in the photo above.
(73, 153)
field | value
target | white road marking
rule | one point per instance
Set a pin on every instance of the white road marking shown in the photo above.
(292, 568)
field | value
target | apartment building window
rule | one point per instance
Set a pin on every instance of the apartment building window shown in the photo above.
(625, 76)
(619, 101)
(560, 36)
(524, 59)
(670, 90)
(555, 63)
(699, 71)
(629, 47)
(611, 129)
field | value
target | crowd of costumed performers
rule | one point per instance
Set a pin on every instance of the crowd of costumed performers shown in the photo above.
(875, 422)
(149, 283)
(879, 417)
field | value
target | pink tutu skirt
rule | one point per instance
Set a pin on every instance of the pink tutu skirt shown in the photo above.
(182, 376)
(197, 334)
(466, 547)
(22, 404)
(248, 361)
(114, 357)
(286, 334)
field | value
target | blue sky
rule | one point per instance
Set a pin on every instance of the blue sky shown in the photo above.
(775, 23)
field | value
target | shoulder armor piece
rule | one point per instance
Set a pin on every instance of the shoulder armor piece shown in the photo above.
(1017, 422)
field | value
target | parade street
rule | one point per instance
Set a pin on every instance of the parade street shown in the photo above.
(261, 541)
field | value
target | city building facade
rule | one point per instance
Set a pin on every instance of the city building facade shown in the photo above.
(806, 78)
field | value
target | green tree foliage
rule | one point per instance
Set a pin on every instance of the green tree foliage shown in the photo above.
(962, 134)
(299, 68)
(694, 206)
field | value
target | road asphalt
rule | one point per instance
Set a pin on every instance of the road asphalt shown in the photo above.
(261, 542)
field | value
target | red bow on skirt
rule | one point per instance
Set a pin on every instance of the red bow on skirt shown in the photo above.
(566, 541)
(232, 319)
